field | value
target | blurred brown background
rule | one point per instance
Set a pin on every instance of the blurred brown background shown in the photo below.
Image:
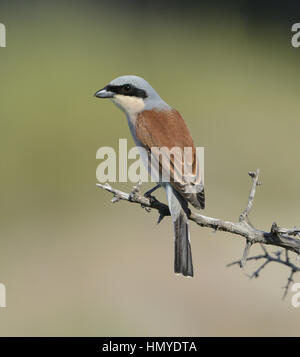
(76, 265)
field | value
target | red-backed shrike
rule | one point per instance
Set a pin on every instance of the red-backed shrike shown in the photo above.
(154, 124)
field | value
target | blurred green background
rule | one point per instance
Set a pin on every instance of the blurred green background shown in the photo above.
(76, 265)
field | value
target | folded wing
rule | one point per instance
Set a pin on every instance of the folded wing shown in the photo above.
(170, 147)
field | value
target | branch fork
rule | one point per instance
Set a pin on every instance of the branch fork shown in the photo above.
(287, 239)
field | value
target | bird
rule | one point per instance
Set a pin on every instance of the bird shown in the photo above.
(155, 124)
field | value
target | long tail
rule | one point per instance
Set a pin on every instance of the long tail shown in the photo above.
(183, 263)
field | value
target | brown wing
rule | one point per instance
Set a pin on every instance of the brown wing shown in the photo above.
(167, 130)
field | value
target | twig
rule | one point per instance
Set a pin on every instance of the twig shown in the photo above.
(280, 237)
(275, 259)
(255, 183)
(286, 238)
(289, 281)
(245, 255)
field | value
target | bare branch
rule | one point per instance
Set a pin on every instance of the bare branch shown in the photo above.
(289, 281)
(275, 259)
(254, 176)
(280, 237)
(256, 273)
(286, 238)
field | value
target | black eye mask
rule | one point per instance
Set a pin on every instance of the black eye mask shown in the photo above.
(127, 89)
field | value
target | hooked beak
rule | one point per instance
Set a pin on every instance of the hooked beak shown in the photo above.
(103, 93)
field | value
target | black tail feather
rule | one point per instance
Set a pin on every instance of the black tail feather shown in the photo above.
(183, 254)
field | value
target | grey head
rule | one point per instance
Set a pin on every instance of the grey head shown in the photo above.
(132, 94)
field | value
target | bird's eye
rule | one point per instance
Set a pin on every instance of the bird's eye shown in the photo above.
(127, 87)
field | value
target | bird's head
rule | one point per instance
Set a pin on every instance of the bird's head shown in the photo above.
(132, 94)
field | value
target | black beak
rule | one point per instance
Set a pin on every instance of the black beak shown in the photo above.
(104, 93)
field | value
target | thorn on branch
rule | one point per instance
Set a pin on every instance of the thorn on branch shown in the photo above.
(215, 229)
(245, 214)
(136, 189)
(245, 254)
(287, 258)
(257, 272)
(274, 229)
(160, 218)
(278, 254)
(116, 198)
(279, 231)
(289, 282)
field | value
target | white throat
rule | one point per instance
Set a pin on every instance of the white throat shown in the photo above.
(130, 105)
